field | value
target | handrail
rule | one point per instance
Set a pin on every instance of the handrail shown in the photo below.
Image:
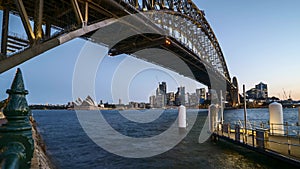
(263, 141)
(16, 144)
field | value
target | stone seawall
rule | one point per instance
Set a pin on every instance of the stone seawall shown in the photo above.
(40, 159)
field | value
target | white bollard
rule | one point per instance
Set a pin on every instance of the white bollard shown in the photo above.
(276, 117)
(299, 115)
(182, 117)
(213, 117)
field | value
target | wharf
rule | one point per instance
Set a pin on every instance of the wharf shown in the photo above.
(284, 147)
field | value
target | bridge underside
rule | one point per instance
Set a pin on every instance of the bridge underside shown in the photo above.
(197, 69)
(58, 21)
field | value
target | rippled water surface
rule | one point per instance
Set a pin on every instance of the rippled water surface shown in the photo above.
(69, 146)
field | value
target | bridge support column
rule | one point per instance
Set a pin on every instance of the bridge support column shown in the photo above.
(25, 20)
(136, 2)
(234, 93)
(38, 19)
(4, 38)
(48, 30)
(213, 116)
(86, 13)
(77, 11)
(16, 143)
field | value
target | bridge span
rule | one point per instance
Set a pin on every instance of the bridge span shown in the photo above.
(177, 26)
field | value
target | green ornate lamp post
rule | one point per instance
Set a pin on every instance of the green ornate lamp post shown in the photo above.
(16, 143)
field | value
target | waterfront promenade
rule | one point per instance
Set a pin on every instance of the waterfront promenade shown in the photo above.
(286, 148)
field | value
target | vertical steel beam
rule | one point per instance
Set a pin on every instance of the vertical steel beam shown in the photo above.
(171, 4)
(144, 4)
(48, 29)
(38, 19)
(136, 4)
(152, 4)
(162, 4)
(25, 20)
(77, 11)
(86, 15)
(4, 38)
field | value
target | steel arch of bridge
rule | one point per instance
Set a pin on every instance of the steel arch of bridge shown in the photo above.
(190, 36)
(195, 34)
(203, 33)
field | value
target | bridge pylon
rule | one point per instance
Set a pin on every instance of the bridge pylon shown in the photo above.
(234, 94)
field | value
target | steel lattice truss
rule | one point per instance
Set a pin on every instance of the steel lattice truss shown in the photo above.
(191, 36)
(195, 33)
(66, 16)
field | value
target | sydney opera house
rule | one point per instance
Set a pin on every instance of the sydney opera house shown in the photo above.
(87, 104)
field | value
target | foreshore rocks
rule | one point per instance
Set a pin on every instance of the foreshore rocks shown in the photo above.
(40, 159)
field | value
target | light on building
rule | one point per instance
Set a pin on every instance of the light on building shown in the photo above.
(168, 42)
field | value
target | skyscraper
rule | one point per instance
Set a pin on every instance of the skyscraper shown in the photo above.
(262, 90)
(161, 95)
(180, 96)
(201, 94)
(152, 101)
(160, 101)
(259, 92)
(193, 99)
(163, 87)
(171, 99)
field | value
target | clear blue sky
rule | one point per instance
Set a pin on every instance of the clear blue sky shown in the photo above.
(259, 38)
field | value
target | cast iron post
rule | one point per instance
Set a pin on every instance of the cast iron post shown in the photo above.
(16, 143)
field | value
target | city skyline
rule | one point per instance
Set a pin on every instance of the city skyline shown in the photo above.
(257, 46)
(259, 40)
(164, 98)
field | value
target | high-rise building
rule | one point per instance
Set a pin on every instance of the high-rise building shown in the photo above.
(262, 90)
(252, 93)
(180, 96)
(201, 94)
(152, 101)
(171, 99)
(259, 92)
(160, 101)
(193, 99)
(163, 87)
(161, 95)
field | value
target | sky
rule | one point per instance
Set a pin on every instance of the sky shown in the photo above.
(259, 39)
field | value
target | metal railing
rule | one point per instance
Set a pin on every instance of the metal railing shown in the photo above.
(283, 139)
(16, 143)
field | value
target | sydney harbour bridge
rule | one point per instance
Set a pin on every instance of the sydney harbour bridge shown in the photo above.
(51, 23)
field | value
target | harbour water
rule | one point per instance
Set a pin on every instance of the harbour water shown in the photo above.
(70, 147)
